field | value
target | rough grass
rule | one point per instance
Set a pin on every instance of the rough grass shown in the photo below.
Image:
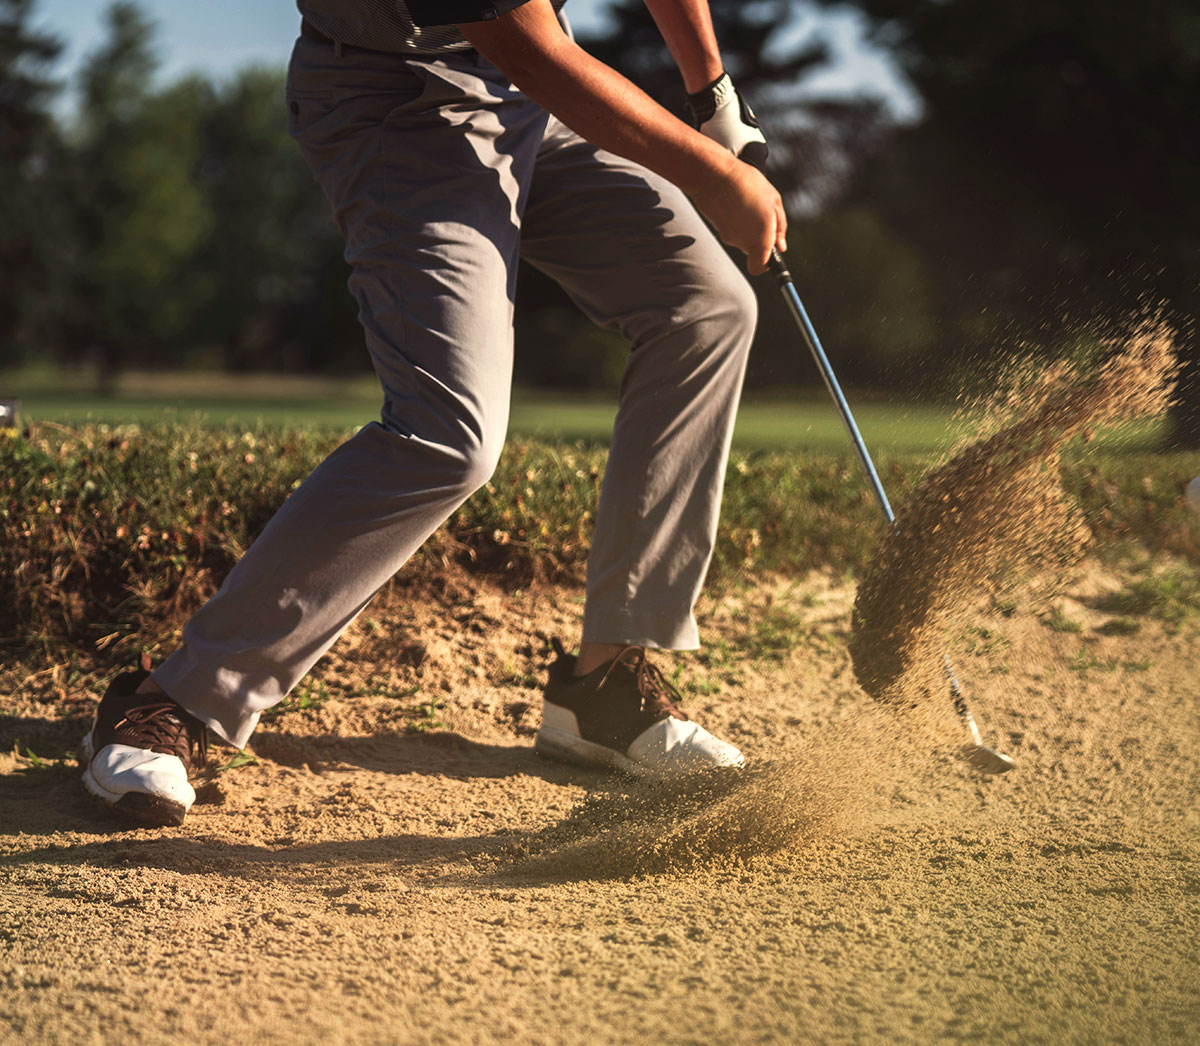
(1171, 596)
(108, 533)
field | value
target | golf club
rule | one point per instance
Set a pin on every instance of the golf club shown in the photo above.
(985, 759)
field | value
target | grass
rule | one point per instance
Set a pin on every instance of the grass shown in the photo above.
(808, 422)
(424, 718)
(774, 631)
(39, 771)
(111, 535)
(1086, 661)
(310, 695)
(240, 758)
(1058, 620)
(511, 676)
(798, 420)
(1172, 596)
(986, 642)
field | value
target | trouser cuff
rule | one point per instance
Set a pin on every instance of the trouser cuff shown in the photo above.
(661, 629)
(228, 703)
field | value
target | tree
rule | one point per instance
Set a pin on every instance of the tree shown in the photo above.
(27, 140)
(278, 298)
(137, 214)
(1055, 169)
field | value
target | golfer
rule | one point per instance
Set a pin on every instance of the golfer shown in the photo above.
(452, 138)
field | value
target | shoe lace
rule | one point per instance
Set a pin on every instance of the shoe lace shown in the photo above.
(659, 695)
(163, 726)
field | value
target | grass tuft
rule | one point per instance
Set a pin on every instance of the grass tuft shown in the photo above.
(310, 695)
(424, 718)
(1058, 620)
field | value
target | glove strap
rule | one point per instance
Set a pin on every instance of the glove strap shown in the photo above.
(703, 105)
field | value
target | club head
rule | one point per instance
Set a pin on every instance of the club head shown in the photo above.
(987, 760)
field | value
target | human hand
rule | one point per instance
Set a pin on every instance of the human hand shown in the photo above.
(746, 210)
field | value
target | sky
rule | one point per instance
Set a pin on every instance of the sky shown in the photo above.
(217, 37)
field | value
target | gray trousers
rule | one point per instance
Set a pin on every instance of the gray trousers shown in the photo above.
(440, 175)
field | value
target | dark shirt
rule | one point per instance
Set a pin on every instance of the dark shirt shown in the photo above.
(412, 27)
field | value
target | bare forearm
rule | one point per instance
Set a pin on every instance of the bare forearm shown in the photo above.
(686, 26)
(597, 102)
(529, 46)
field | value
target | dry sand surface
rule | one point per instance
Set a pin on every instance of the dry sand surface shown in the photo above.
(364, 883)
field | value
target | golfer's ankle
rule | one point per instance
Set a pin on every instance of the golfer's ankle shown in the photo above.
(593, 655)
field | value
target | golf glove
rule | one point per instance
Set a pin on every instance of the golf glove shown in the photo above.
(723, 115)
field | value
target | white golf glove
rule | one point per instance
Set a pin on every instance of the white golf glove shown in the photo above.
(723, 115)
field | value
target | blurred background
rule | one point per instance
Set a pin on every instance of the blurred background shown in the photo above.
(966, 181)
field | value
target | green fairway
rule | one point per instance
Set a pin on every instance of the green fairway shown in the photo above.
(807, 421)
(810, 422)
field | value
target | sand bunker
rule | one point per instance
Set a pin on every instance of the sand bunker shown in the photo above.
(996, 512)
(993, 515)
(832, 784)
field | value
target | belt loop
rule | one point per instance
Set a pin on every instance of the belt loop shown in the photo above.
(337, 48)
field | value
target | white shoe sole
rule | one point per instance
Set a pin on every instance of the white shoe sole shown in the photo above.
(570, 748)
(142, 806)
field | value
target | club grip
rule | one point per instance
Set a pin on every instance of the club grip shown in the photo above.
(779, 267)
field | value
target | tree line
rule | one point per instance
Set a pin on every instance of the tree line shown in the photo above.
(1049, 181)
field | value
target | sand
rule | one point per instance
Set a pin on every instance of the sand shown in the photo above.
(363, 883)
(995, 513)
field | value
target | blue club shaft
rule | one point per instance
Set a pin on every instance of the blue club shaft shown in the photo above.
(790, 295)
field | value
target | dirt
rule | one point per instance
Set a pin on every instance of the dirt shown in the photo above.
(399, 867)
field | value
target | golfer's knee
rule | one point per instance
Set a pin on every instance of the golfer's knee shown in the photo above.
(723, 313)
(476, 464)
(460, 441)
(463, 450)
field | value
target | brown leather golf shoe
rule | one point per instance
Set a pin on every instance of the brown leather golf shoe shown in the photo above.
(625, 715)
(137, 756)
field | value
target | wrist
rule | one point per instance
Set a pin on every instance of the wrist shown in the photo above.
(712, 172)
(702, 105)
(704, 79)
(720, 112)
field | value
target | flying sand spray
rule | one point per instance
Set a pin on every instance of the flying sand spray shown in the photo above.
(979, 755)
